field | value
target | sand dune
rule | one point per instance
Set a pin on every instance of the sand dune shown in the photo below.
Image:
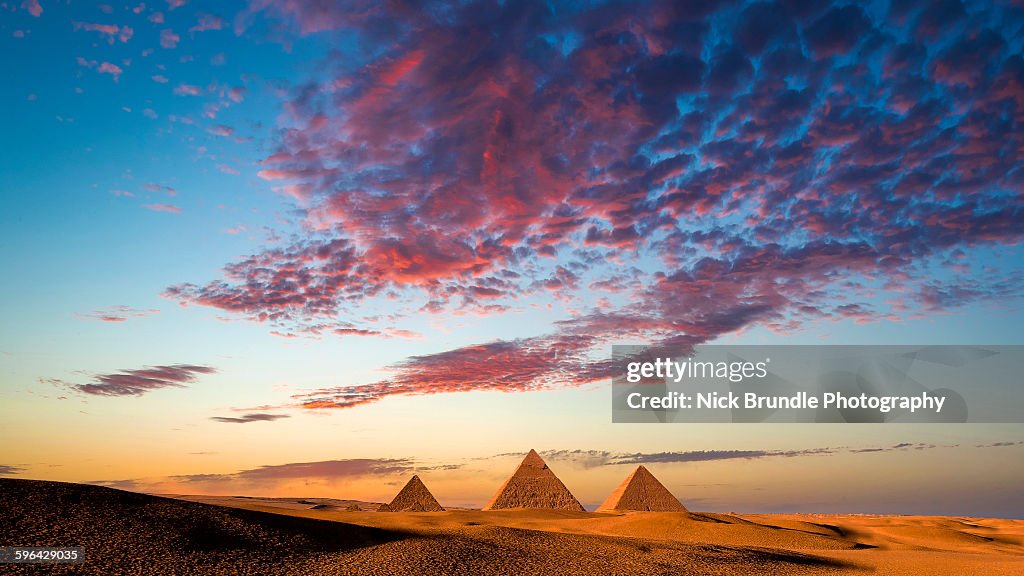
(127, 533)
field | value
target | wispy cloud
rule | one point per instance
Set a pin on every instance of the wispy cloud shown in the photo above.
(325, 469)
(1000, 444)
(7, 470)
(594, 458)
(247, 418)
(117, 313)
(139, 381)
(169, 208)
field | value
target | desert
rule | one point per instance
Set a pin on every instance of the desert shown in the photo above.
(129, 533)
(533, 525)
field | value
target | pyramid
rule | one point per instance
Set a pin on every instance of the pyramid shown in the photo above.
(641, 492)
(414, 497)
(534, 485)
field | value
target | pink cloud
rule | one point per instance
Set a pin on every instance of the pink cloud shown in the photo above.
(207, 22)
(187, 90)
(221, 130)
(112, 69)
(117, 314)
(110, 31)
(169, 208)
(168, 39)
(470, 185)
(33, 7)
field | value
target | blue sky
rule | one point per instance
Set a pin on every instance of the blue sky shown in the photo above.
(336, 221)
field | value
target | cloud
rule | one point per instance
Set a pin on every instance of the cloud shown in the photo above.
(277, 477)
(323, 469)
(127, 484)
(187, 90)
(594, 458)
(112, 69)
(169, 208)
(117, 314)
(159, 188)
(754, 164)
(7, 470)
(505, 366)
(221, 130)
(247, 418)
(207, 22)
(139, 381)
(168, 38)
(32, 7)
(1000, 444)
(102, 67)
(111, 32)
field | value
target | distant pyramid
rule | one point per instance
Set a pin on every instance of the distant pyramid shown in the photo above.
(641, 492)
(534, 485)
(414, 497)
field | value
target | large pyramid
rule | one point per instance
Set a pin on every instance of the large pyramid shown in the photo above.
(534, 485)
(414, 497)
(641, 492)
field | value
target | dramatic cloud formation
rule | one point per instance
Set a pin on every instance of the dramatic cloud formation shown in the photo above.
(752, 163)
(140, 381)
(247, 418)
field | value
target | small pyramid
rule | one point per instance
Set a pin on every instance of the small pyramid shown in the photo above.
(414, 497)
(641, 492)
(534, 485)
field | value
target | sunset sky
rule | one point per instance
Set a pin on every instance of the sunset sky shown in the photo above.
(309, 249)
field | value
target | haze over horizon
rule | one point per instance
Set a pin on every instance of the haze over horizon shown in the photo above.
(289, 249)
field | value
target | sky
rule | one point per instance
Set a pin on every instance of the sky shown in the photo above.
(308, 249)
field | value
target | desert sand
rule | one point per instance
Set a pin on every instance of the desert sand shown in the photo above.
(130, 533)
